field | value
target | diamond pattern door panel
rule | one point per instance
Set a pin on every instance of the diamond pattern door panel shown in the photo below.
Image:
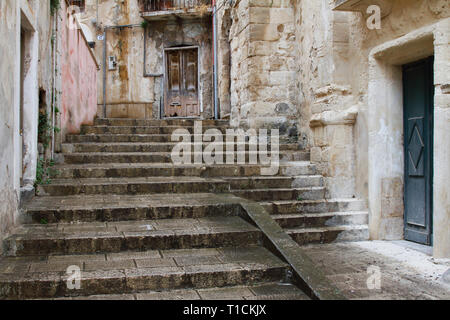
(416, 146)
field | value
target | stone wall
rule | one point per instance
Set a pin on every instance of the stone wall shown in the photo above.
(354, 125)
(132, 89)
(77, 70)
(264, 85)
(9, 96)
(20, 90)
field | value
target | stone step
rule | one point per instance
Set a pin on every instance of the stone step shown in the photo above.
(104, 237)
(315, 220)
(142, 138)
(163, 122)
(274, 182)
(261, 291)
(133, 186)
(116, 170)
(155, 147)
(140, 272)
(86, 129)
(274, 194)
(166, 157)
(314, 206)
(305, 236)
(108, 207)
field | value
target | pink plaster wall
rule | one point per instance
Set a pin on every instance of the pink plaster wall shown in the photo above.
(78, 76)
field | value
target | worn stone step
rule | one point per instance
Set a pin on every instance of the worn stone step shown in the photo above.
(86, 129)
(329, 234)
(314, 206)
(262, 291)
(144, 185)
(313, 220)
(274, 182)
(162, 122)
(138, 272)
(142, 138)
(166, 157)
(273, 194)
(158, 147)
(116, 170)
(161, 234)
(109, 207)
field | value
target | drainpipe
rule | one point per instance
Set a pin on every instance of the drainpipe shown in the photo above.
(216, 95)
(104, 73)
(55, 42)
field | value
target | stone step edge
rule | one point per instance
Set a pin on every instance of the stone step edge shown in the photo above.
(319, 214)
(326, 229)
(118, 282)
(196, 294)
(89, 242)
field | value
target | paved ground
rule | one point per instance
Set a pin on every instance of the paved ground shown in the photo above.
(407, 270)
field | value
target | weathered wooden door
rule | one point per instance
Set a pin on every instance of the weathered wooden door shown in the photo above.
(418, 93)
(181, 89)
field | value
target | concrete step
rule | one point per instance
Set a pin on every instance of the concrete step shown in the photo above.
(139, 272)
(314, 206)
(127, 147)
(104, 237)
(150, 122)
(111, 170)
(166, 157)
(109, 207)
(133, 186)
(274, 194)
(305, 236)
(315, 220)
(262, 291)
(274, 182)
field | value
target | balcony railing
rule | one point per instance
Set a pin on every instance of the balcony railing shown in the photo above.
(167, 5)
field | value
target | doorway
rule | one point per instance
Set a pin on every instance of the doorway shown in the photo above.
(418, 97)
(181, 93)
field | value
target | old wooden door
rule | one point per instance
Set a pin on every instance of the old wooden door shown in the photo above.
(418, 92)
(181, 89)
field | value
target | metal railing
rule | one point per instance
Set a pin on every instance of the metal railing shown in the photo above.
(165, 5)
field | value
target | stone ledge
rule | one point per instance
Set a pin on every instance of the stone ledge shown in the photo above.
(362, 5)
(326, 118)
(310, 279)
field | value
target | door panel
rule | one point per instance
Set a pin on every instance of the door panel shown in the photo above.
(173, 87)
(418, 94)
(182, 83)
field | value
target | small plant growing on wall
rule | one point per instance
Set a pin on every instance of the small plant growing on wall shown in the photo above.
(45, 171)
(45, 129)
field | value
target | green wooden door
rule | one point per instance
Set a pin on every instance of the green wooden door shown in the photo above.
(418, 92)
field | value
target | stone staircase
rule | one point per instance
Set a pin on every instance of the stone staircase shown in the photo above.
(139, 227)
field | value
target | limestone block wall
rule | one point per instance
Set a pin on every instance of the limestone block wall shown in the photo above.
(329, 107)
(441, 199)
(264, 88)
(352, 96)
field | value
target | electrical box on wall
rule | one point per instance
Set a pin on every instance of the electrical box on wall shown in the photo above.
(112, 63)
